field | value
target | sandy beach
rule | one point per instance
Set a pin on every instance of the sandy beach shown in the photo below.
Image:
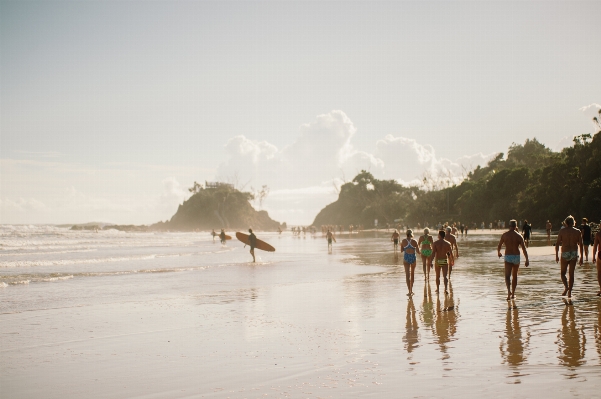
(174, 315)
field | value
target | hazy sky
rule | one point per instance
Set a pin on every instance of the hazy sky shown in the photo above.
(110, 110)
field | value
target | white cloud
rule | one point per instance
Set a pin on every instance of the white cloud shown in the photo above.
(305, 175)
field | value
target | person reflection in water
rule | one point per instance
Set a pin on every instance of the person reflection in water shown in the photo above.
(571, 339)
(514, 345)
(445, 325)
(411, 338)
(427, 315)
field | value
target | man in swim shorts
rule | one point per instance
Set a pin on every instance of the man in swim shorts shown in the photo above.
(569, 238)
(329, 237)
(395, 239)
(585, 229)
(513, 241)
(549, 226)
(252, 240)
(442, 253)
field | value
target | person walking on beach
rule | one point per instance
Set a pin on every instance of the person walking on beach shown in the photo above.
(597, 259)
(252, 239)
(586, 236)
(222, 237)
(409, 246)
(549, 226)
(442, 252)
(526, 230)
(569, 238)
(330, 237)
(453, 240)
(214, 234)
(425, 244)
(395, 239)
(513, 241)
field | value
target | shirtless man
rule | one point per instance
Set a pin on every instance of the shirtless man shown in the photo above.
(513, 241)
(442, 251)
(214, 234)
(597, 259)
(549, 227)
(453, 240)
(585, 229)
(330, 237)
(395, 239)
(222, 237)
(569, 238)
(526, 231)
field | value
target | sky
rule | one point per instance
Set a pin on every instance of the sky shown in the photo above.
(109, 111)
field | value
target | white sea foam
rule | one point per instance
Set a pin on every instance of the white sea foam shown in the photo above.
(64, 262)
(3, 284)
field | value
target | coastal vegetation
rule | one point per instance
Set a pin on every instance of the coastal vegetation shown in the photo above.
(217, 205)
(531, 182)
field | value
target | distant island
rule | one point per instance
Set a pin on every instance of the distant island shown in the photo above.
(214, 206)
(532, 183)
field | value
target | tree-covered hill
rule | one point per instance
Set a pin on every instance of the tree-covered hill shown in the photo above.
(531, 182)
(218, 207)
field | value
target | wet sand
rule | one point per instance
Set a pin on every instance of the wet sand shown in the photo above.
(300, 323)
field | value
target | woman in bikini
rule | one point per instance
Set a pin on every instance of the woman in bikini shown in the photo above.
(409, 246)
(597, 258)
(425, 243)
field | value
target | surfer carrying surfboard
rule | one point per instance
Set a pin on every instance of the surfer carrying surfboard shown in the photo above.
(252, 241)
(222, 237)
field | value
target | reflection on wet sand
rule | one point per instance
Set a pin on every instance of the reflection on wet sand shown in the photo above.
(411, 337)
(445, 325)
(571, 340)
(515, 344)
(598, 328)
(427, 313)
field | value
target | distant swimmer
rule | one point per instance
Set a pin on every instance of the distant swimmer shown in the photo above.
(597, 258)
(453, 240)
(330, 237)
(425, 243)
(513, 241)
(214, 234)
(569, 238)
(252, 240)
(222, 237)
(526, 231)
(395, 239)
(409, 246)
(279, 230)
(442, 253)
(549, 226)
(585, 229)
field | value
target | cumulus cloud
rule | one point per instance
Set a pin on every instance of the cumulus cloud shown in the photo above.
(324, 151)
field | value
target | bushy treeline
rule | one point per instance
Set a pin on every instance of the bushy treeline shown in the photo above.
(531, 182)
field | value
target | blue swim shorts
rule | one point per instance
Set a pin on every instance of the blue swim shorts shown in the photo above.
(515, 259)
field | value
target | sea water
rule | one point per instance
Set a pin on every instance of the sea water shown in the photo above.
(116, 314)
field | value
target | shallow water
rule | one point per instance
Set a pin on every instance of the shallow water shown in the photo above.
(175, 315)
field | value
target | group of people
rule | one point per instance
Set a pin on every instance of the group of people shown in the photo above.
(439, 254)
(574, 244)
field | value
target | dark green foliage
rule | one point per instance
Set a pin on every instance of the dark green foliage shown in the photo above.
(532, 183)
